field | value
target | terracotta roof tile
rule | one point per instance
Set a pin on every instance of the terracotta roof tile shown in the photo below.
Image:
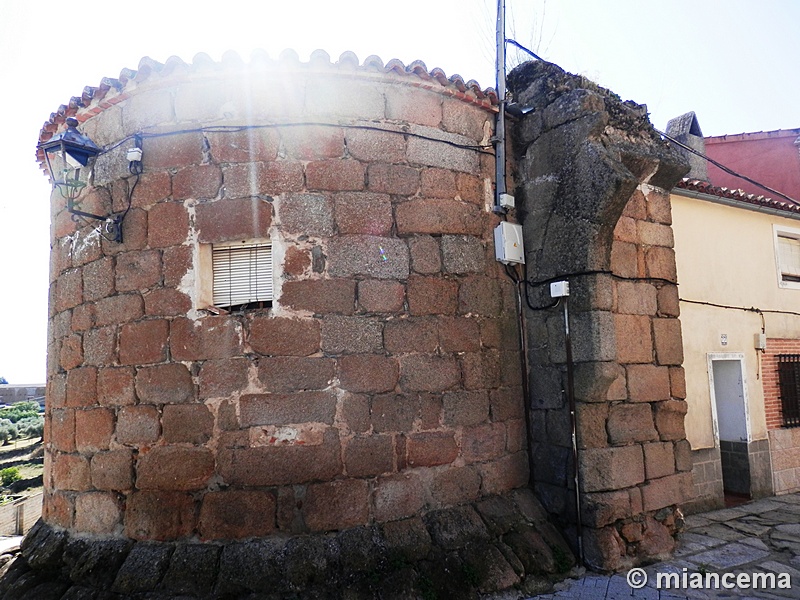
(112, 90)
(755, 135)
(705, 187)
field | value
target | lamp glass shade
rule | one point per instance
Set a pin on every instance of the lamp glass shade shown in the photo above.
(66, 154)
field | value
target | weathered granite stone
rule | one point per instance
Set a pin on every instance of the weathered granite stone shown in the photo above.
(485, 563)
(534, 553)
(498, 513)
(458, 552)
(361, 550)
(51, 590)
(400, 585)
(445, 575)
(310, 561)
(74, 549)
(42, 547)
(79, 593)
(408, 540)
(192, 569)
(99, 562)
(25, 583)
(585, 159)
(143, 568)
(453, 528)
(251, 566)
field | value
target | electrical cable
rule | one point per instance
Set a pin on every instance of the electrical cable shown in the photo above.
(527, 284)
(518, 281)
(523, 48)
(113, 223)
(599, 272)
(546, 307)
(480, 148)
(512, 273)
(573, 417)
(118, 219)
(728, 170)
(753, 309)
(744, 308)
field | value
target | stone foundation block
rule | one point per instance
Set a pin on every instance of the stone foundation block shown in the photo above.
(457, 551)
(631, 423)
(236, 514)
(611, 468)
(648, 383)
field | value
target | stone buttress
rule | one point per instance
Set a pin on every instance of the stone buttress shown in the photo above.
(593, 193)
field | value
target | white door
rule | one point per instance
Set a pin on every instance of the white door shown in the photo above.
(731, 420)
(729, 396)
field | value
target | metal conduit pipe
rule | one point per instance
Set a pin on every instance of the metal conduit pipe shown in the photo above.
(499, 139)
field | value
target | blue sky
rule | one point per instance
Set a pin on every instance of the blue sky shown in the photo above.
(733, 62)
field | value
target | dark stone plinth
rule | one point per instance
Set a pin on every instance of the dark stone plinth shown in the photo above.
(462, 552)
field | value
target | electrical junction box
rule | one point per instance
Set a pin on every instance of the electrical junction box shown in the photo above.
(508, 243)
(134, 155)
(761, 341)
(507, 201)
(559, 289)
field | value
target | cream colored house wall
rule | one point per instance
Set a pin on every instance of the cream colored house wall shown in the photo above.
(726, 255)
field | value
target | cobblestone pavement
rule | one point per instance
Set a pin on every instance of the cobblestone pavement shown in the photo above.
(758, 537)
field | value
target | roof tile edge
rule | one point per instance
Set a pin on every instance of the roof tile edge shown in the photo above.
(696, 185)
(110, 91)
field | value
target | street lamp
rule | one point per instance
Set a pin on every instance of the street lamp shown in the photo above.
(66, 154)
(69, 155)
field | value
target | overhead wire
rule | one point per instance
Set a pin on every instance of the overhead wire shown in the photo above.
(480, 148)
(523, 48)
(753, 309)
(728, 170)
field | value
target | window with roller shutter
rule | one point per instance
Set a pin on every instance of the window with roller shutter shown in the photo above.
(242, 274)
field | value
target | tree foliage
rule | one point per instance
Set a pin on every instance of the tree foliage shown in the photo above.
(19, 411)
(9, 475)
(8, 431)
(30, 427)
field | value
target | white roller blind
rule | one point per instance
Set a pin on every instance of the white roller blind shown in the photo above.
(242, 274)
(789, 255)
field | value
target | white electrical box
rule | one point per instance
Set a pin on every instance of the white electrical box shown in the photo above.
(134, 154)
(508, 243)
(559, 289)
(761, 341)
(507, 201)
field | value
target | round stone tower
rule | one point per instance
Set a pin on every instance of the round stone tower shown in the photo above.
(303, 330)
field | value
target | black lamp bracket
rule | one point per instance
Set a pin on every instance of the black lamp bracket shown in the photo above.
(111, 225)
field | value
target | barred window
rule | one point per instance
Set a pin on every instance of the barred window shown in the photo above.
(789, 379)
(242, 275)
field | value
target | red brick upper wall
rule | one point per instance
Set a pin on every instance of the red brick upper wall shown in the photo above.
(771, 158)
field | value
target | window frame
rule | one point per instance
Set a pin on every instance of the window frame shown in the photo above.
(789, 387)
(781, 231)
(208, 275)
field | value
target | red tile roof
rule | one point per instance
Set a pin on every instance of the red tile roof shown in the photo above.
(111, 91)
(704, 187)
(756, 135)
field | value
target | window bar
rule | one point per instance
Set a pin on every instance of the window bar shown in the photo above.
(789, 378)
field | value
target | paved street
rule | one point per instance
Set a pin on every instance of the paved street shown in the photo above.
(758, 537)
